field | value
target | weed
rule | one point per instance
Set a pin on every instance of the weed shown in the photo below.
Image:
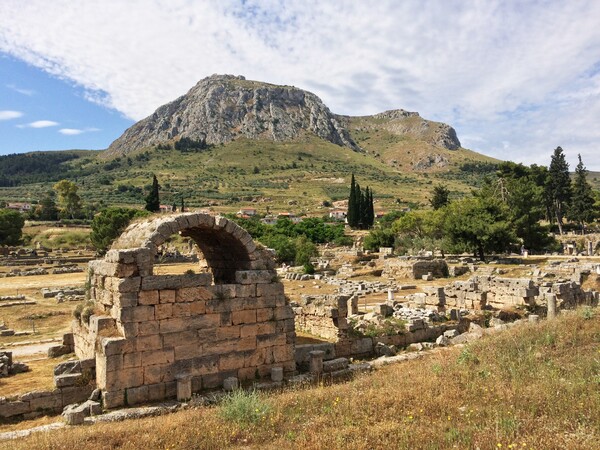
(244, 408)
(467, 356)
(587, 312)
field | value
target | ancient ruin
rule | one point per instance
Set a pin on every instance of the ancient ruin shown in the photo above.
(160, 336)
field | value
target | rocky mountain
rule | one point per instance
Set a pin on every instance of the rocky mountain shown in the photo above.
(406, 123)
(221, 108)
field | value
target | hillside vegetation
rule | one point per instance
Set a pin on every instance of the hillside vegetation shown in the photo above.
(297, 175)
(536, 386)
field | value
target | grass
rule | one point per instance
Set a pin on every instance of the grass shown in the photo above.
(532, 387)
(305, 171)
(39, 378)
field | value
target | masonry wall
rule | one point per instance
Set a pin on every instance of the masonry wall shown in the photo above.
(149, 330)
(414, 268)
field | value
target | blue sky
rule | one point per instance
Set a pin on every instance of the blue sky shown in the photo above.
(515, 78)
(49, 113)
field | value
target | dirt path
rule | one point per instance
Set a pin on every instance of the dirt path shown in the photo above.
(20, 351)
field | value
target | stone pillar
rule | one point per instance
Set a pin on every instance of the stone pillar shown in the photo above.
(390, 295)
(551, 298)
(230, 384)
(316, 362)
(184, 387)
(534, 318)
(276, 374)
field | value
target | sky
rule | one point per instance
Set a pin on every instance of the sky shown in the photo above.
(515, 79)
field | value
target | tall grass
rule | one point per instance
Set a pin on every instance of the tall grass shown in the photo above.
(531, 387)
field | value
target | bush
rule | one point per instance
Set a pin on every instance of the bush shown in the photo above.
(244, 408)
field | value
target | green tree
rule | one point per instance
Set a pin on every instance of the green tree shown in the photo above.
(305, 250)
(379, 238)
(153, 199)
(11, 227)
(352, 214)
(47, 209)
(582, 201)
(478, 225)
(521, 188)
(441, 197)
(69, 201)
(558, 186)
(109, 223)
(285, 248)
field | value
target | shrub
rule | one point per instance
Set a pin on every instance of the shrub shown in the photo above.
(244, 407)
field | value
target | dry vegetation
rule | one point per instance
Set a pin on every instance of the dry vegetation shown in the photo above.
(537, 386)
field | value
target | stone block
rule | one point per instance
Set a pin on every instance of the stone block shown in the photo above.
(284, 312)
(174, 324)
(148, 297)
(197, 307)
(115, 345)
(178, 338)
(181, 310)
(202, 321)
(264, 314)
(132, 360)
(243, 317)
(113, 399)
(192, 294)
(11, 409)
(163, 356)
(276, 374)
(255, 276)
(245, 290)
(228, 332)
(137, 395)
(184, 387)
(127, 284)
(167, 296)
(136, 314)
(75, 394)
(147, 328)
(156, 392)
(230, 384)
(271, 289)
(231, 361)
(144, 343)
(265, 327)
(125, 299)
(270, 340)
(163, 311)
(74, 416)
(67, 379)
(124, 378)
(187, 351)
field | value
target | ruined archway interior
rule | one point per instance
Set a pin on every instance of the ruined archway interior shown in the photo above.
(223, 253)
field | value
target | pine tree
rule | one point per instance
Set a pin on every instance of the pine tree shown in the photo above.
(440, 197)
(351, 214)
(558, 187)
(153, 200)
(582, 201)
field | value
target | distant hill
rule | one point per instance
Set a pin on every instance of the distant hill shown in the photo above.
(232, 142)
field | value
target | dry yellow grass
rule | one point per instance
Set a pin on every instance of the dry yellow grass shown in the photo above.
(534, 387)
(39, 378)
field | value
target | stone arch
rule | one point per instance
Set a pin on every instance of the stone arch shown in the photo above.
(226, 246)
(151, 335)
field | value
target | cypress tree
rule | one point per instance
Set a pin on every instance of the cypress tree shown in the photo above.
(582, 203)
(351, 214)
(358, 206)
(153, 200)
(371, 210)
(182, 205)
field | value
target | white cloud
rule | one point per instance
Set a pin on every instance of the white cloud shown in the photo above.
(70, 131)
(76, 131)
(27, 92)
(8, 115)
(525, 73)
(39, 124)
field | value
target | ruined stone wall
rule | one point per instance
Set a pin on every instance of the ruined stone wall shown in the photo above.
(414, 268)
(324, 315)
(149, 330)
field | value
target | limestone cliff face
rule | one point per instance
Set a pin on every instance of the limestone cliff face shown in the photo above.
(221, 108)
(402, 122)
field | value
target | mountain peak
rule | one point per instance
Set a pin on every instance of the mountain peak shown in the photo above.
(222, 108)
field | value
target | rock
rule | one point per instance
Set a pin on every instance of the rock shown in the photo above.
(222, 108)
(95, 395)
(442, 341)
(416, 347)
(382, 349)
(230, 384)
